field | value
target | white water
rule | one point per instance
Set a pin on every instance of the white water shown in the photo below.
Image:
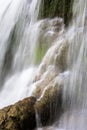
(20, 19)
(20, 33)
(75, 88)
(75, 91)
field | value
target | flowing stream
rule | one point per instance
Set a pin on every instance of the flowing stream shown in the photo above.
(20, 34)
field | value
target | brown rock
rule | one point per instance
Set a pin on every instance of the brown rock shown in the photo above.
(20, 116)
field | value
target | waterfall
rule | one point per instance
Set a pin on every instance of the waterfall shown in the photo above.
(18, 38)
(75, 86)
(77, 58)
(24, 40)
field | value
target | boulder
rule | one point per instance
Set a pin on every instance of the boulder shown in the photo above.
(20, 116)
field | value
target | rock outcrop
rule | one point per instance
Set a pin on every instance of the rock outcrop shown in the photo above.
(20, 116)
(54, 63)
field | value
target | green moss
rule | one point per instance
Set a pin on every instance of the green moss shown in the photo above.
(40, 52)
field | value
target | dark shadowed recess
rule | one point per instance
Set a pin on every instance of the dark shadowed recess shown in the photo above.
(56, 8)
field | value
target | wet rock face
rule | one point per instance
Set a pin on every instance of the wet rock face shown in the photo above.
(56, 57)
(49, 105)
(53, 8)
(54, 63)
(49, 82)
(20, 116)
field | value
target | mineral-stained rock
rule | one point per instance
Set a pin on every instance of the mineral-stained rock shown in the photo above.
(49, 105)
(20, 116)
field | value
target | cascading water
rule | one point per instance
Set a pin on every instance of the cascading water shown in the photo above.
(18, 37)
(75, 87)
(20, 34)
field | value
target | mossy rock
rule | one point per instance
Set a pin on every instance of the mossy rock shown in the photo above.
(20, 116)
(53, 8)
